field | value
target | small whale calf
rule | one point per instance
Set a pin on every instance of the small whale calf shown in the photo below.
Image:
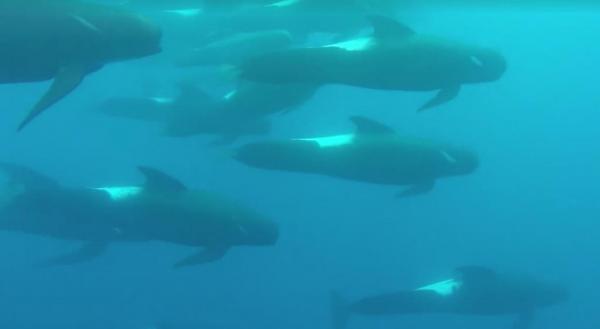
(473, 290)
(374, 153)
(162, 209)
(394, 57)
(65, 40)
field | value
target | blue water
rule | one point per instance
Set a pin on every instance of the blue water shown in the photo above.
(531, 207)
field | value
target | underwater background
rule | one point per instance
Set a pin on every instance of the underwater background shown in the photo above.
(532, 205)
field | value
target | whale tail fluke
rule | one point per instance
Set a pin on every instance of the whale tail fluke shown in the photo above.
(339, 311)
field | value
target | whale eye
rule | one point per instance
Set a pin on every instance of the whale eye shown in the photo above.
(475, 60)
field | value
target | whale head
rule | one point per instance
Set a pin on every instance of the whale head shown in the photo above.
(485, 65)
(123, 35)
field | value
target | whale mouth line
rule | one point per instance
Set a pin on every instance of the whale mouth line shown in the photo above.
(476, 60)
(448, 157)
(87, 24)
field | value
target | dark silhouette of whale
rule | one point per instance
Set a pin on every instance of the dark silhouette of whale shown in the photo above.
(394, 57)
(243, 111)
(162, 209)
(473, 291)
(375, 153)
(65, 40)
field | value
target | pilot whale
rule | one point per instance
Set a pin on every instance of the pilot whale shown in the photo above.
(473, 290)
(65, 40)
(162, 209)
(374, 153)
(242, 111)
(394, 57)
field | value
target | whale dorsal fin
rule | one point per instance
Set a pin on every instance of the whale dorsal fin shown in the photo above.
(477, 274)
(21, 175)
(366, 126)
(157, 181)
(386, 28)
(192, 97)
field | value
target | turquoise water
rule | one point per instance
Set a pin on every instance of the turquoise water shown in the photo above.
(531, 207)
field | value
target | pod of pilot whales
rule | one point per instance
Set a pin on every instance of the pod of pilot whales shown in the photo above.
(276, 71)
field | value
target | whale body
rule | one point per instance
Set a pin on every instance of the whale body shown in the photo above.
(394, 57)
(162, 209)
(65, 40)
(474, 290)
(374, 153)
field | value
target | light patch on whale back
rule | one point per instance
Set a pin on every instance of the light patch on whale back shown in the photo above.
(189, 12)
(86, 23)
(230, 95)
(330, 141)
(353, 45)
(119, 193)
(443, 288)
(163, 100)
(283, 3)
(448, 157)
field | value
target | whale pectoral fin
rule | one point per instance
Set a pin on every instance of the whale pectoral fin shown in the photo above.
(207, 255)
(68, 78)
(85, 253)
(340, 313)
(443, 96)
(524, 320)
(417, 189)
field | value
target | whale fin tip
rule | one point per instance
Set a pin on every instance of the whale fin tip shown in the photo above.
(205, 256)
(443, 96)
(417, 189)
(339, 311)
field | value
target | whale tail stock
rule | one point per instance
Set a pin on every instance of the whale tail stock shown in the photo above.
(339, 311)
